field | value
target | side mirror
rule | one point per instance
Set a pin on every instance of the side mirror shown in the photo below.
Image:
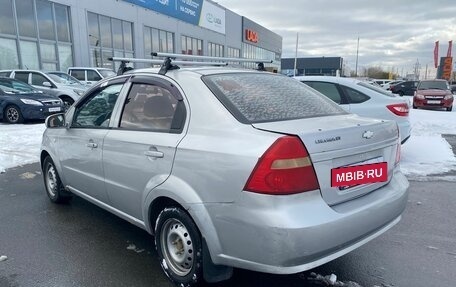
(55, 121)
(47, 84)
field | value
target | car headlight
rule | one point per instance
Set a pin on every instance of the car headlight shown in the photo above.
(419, 97)
(448, 97)
(79, 92)
(31, 102)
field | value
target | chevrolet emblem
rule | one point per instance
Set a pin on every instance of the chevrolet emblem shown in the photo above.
(368, 134)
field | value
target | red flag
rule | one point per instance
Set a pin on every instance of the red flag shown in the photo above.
(436, 54)
(450, 47)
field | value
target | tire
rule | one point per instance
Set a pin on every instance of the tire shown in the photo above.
(12, 114)
(54, 187)
(179, 247)
(401, 93)
(449, 109)
(67, 102)
(415, 107)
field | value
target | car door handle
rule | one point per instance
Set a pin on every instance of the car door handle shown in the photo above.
(92, 145)
(154, 153)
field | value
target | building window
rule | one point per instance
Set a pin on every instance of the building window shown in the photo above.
(43, 27)
(6, 18)
(233, 52)
(45, 20)
(8, 54)
(191, 46)
(254, 52)
(26, 18)
(215, 50)
(156, 40)
(109, 37)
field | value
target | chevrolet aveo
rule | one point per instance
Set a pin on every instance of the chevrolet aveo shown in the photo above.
(228, 168)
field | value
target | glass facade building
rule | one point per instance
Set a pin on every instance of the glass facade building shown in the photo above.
(35, 34)
(56, 34)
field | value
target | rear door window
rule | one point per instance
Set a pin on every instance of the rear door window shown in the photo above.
(265, 97)
(354, 96)
(78, 74)
(152, 107)
(22, 76)
(328, 89)
(93, 76)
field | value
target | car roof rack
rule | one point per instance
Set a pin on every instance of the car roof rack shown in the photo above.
(170, 63)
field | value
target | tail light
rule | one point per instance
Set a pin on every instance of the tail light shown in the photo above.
(285, 168)
(401, 109)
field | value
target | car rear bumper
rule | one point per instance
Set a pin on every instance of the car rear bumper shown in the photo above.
(405, 128)
(290, 234)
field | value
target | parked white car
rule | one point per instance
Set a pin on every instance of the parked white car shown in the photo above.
(90, 75)
(364, 99)
(49, 84)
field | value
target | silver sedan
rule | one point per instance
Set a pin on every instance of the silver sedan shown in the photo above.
(228, 168)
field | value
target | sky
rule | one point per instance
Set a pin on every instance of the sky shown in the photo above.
(392, 35)
(20, 144)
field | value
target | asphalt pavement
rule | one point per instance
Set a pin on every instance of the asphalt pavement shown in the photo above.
(79, 244)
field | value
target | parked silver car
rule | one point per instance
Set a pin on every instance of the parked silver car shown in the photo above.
(228, 168)
(49, 84)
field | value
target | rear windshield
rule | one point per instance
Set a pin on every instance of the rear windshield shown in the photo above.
(264, 97)
(438, 85)
(377, 89)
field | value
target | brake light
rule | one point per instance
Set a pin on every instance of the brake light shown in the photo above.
(285, 168)
(399, 109)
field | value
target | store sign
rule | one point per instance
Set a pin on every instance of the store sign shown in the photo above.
(186, 10)
(196, 12)
(212, 17)
(446, 68)
(251, 36)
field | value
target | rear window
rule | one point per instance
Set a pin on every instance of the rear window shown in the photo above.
(377, 89)
(263, 97)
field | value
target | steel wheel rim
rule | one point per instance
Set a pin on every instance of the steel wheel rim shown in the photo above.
(177, 247)
(51, 180)
(12, 114)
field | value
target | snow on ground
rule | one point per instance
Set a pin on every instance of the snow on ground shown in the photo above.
(19, 144)
(425, 153)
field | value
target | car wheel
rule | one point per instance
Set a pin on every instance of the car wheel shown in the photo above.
(178, 244)
(67, 102)
(449, 108)
(13, 115)
(413, 106)
(401, 93)
(54, 187)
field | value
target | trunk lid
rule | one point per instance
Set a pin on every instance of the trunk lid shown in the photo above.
(340, 141)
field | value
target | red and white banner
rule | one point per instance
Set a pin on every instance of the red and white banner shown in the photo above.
(450, 47)
(436, 54)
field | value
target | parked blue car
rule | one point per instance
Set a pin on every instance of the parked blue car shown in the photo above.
(20, 102)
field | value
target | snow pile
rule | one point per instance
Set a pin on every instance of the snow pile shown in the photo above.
(19, 144)
(426, 152)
